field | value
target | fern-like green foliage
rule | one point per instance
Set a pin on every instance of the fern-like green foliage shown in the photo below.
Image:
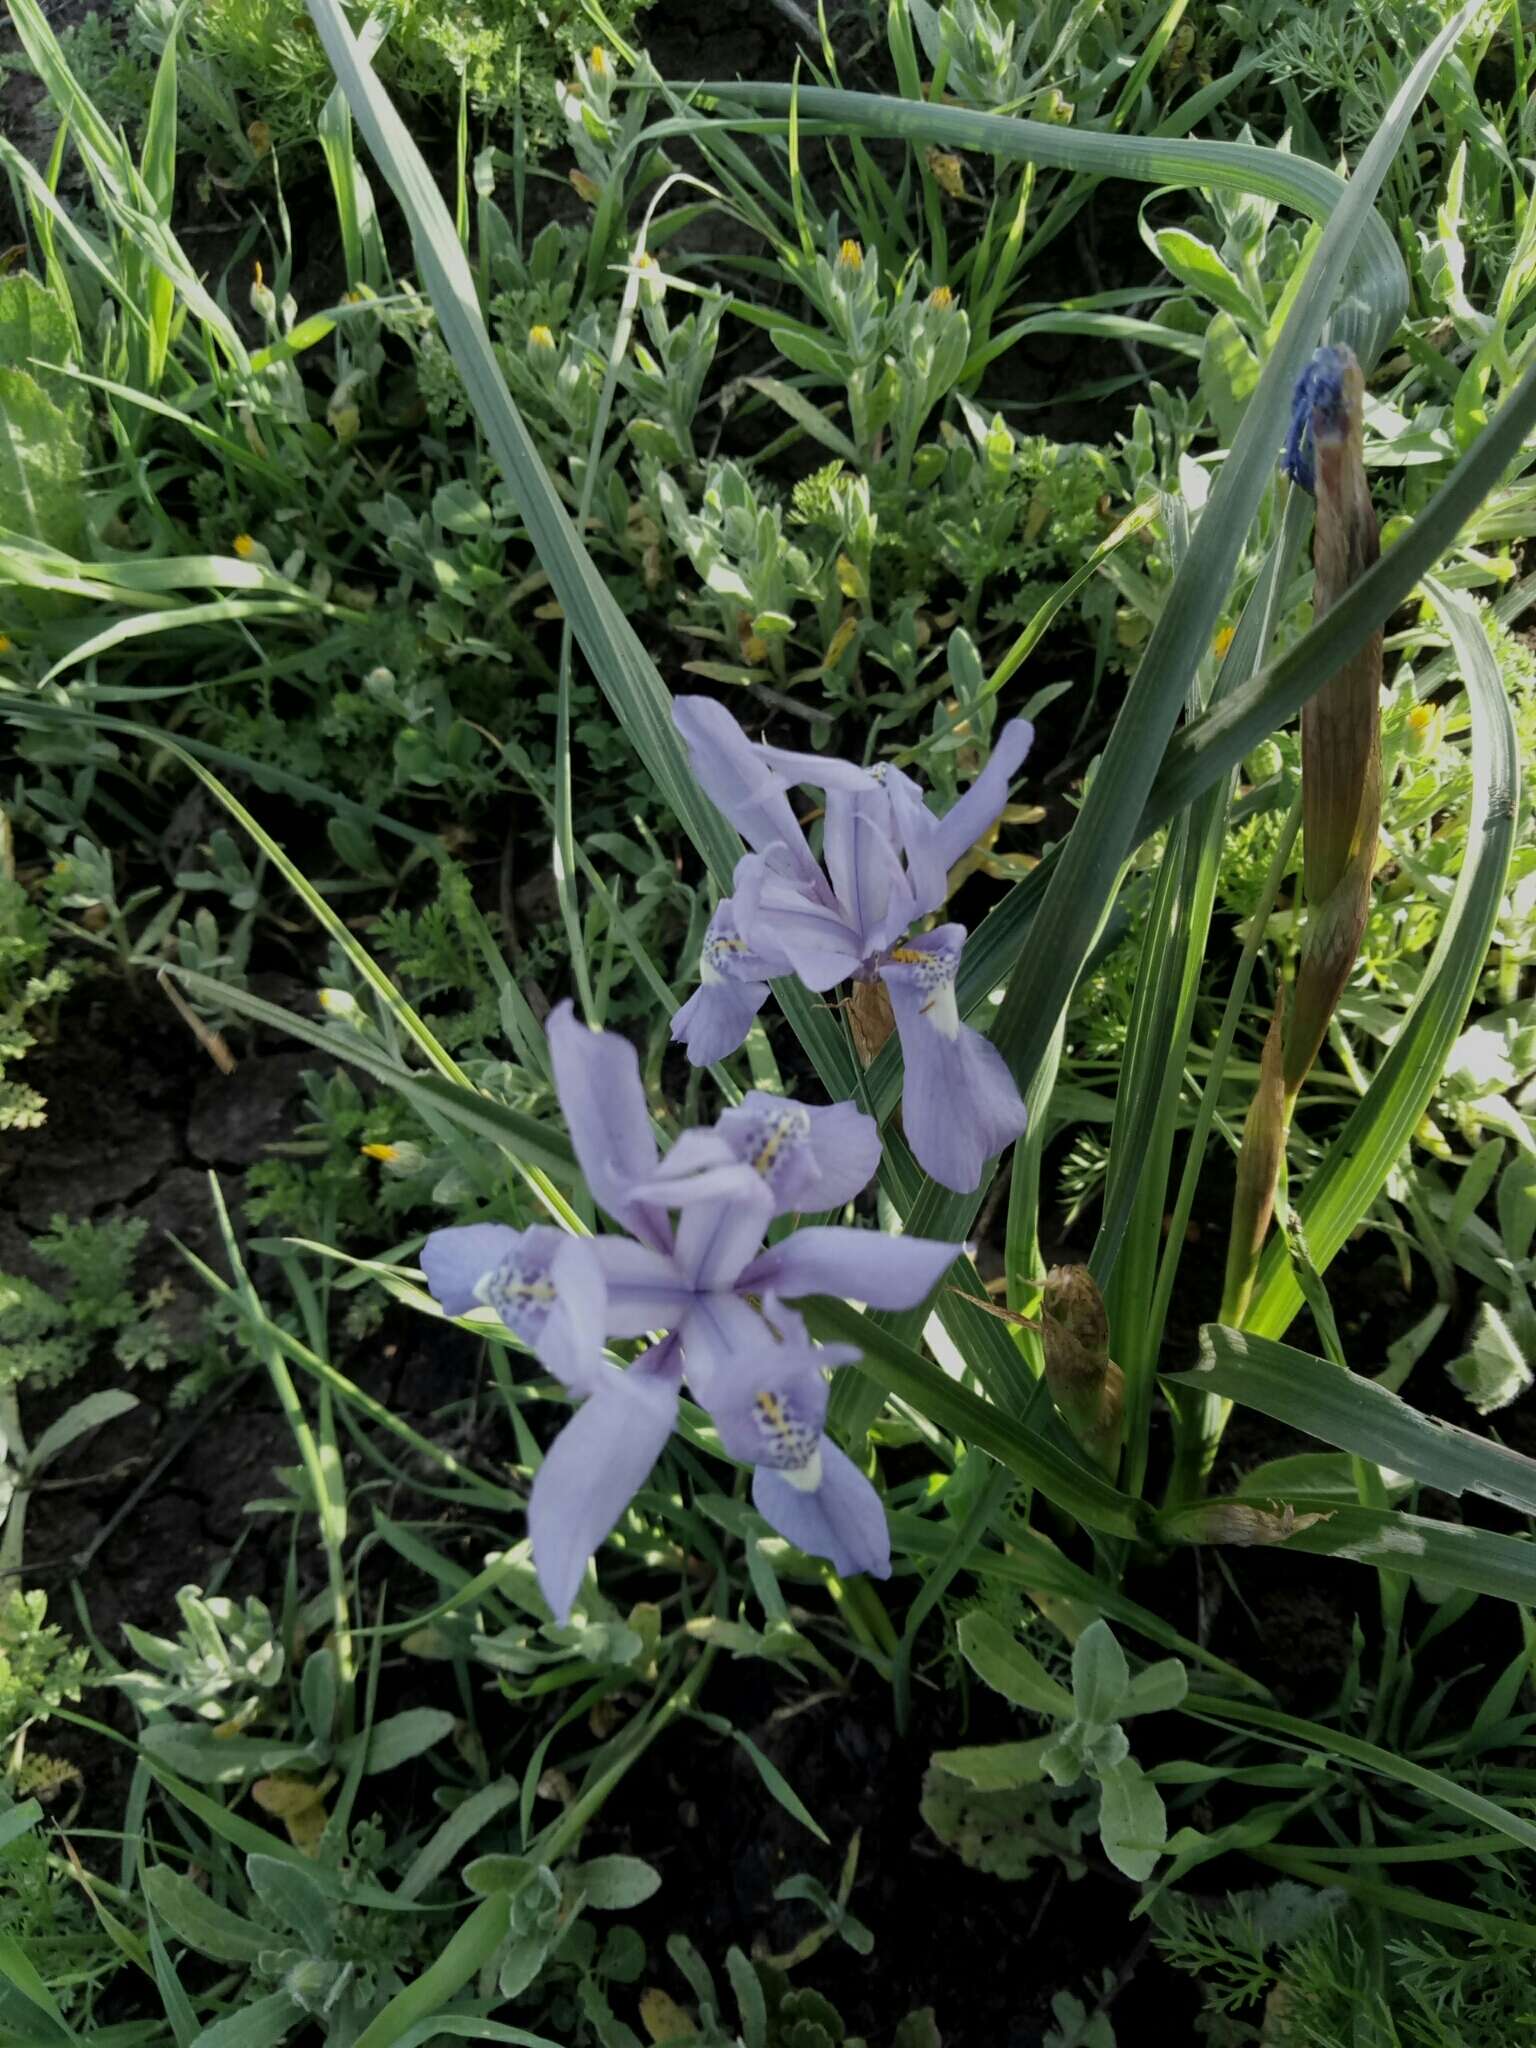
(266, 55)
(48, 1334)
(24, 992)
(39, 1669)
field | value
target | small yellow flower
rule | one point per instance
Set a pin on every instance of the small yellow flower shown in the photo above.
(597, 63)
(7, 645)
(383, 1153)
(941, 298)
(540, 339)
(1222, 642)
(1422, 717)
(850, 257)
(244, 546)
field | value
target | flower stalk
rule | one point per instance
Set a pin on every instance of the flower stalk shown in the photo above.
(1341, 817)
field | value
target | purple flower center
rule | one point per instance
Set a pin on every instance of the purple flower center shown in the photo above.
(521, 1291)
(769, 1141)
(788, 1435)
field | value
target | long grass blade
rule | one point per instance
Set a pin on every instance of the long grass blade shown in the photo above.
(1355, 1414)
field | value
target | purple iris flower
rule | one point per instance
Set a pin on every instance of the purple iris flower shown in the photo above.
(886, 859)
(1318, 407)
(707, 1281)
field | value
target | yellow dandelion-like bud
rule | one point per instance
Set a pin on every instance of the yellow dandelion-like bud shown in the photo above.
(1223, 641)
(597, 63)
(850, 257)
(941, 298)
(540, 339)
(244, 546)
(400, 1160)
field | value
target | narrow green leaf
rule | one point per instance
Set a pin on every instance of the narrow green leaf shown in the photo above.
(202, 1923)
(1355, 1414)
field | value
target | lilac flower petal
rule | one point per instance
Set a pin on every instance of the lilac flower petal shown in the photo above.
(725, 1344)
(716, 1019)
(843, 1519)
(811, 1158)
(644, 1288)
(974, 813)
(816, 771)
(716, 1239)
(696, 1151)
(590, 1474)
(806, 928)
(854, 1265)
(597, 1078)
(845, 1142)
(734, 978)
(734, 776)
(1317, 407)
(570, 1342)
(778, 1424)
(456, 1261)
(547, 1288)
(864, 862)
(916, 828)
(960, 1106)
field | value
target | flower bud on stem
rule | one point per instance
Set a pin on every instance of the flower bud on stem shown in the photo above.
(1341, 818)
(1086, 1384)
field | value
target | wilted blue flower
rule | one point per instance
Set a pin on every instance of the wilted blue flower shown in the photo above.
(887, 858)
(1319, 411)
(708, 1282)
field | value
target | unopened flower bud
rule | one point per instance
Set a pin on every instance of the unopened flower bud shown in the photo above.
(948, 172)
(345, 1008)
(870, 1018)
(541, 342)
(263, 298)
(1086, 1384)
(850, 256)
(402, 1159)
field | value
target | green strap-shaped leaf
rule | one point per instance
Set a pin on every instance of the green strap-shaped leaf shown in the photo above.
(1355, 1414)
